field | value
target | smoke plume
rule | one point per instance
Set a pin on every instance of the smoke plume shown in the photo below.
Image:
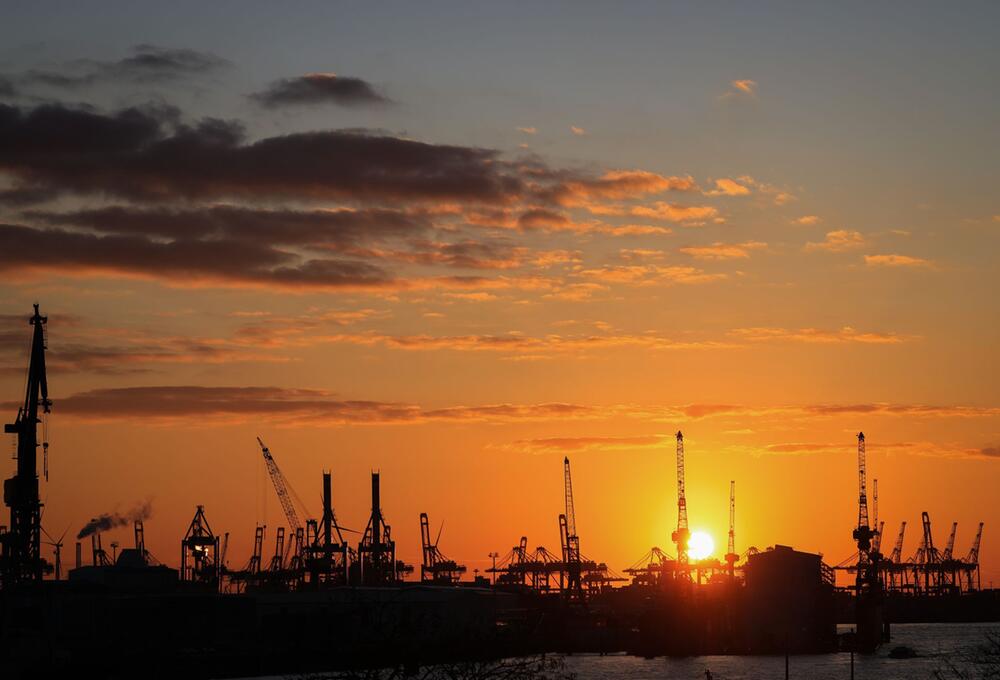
(107, 521)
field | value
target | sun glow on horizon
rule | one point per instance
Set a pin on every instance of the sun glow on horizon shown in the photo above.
(700, 545)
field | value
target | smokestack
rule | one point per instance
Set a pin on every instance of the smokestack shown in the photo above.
(79, 554)
(376, 512)
(327, 511)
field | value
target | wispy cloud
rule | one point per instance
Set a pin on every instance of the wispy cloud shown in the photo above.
(897, 261)
(563, 445)
(838, 241)
(847, 334)
(723, 251)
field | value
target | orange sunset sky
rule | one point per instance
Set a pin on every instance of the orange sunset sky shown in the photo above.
(457, 251)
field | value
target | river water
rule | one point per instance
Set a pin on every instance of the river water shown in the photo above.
(940, 647)
(937, 644)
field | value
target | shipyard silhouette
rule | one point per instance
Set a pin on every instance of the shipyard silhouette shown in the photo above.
(318, 601)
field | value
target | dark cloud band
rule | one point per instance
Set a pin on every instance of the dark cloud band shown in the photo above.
(319, 88)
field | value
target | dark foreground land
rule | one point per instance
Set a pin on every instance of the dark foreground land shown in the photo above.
(62, 629)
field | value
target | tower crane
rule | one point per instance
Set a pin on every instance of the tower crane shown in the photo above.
(868, 585)
(281, 487)
(682, 534)
(570, 539)
(21, 544)
(731, 556)
(863, 534)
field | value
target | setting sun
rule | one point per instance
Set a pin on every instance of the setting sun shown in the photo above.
(700, 545)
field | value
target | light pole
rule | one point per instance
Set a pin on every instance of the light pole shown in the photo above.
(493, 572)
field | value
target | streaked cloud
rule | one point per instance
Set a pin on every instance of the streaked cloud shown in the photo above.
(563, 445)
(897, 261)
(723, 251)
(815, 335)
(807, 220)
(578, 131)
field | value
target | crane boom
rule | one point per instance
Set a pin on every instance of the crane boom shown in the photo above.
(930, 553)
(897, 550)
(280, 487)
(570, 510)
(950, 546)
(973, 557)
(571, 552)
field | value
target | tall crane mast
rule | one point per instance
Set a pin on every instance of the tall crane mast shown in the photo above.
(280, 487)
(570, 538)
(681, 535)
(863, 534)
(21, 553)
(731, 556)
(875, 502)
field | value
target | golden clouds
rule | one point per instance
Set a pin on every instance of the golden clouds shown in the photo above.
(816, 335)
(897, 261)
(728, 187)
(838, 241)
(723, 251)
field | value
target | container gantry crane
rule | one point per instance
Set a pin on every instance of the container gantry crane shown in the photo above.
(200, 552)
(972, 559)
(681, 536)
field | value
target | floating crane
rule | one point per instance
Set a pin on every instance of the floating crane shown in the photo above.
(570, 539)
(682, 534)
(21, 544)
(281, 487)
(731, 555)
